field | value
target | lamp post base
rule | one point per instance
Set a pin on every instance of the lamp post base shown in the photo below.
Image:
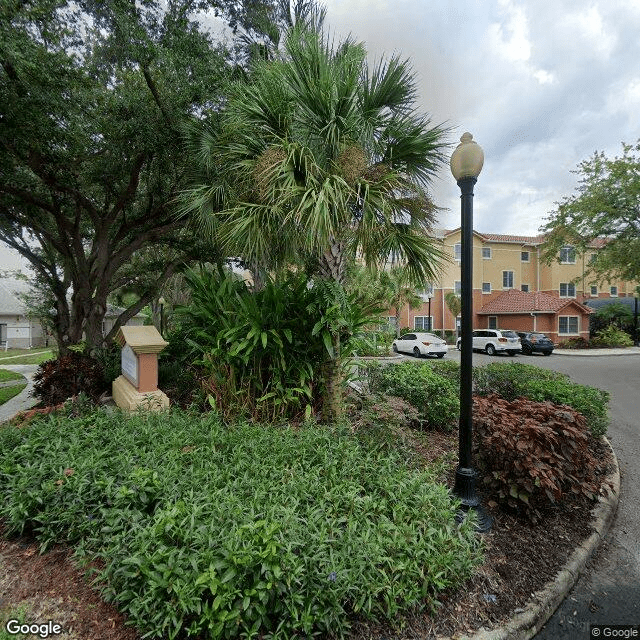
(465, 490)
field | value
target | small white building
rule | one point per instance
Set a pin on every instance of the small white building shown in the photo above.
(17, 331)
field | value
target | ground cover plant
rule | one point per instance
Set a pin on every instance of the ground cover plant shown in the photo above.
(237, 530)
(434, 396)
(23, 356)
(6, 393)
(7, 376)
(533, 453)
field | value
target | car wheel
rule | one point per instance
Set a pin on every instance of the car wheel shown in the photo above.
(416, 352)
(511, 353)
(395, 348)
(490, 349)
(546, 353)
(526, 350)
(440, 355)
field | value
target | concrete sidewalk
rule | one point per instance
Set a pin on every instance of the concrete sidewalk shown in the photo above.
(24, 400)
(626, 351)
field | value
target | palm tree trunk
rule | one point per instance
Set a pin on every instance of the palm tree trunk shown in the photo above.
(331, 267)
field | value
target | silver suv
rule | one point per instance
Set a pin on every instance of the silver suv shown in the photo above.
(494, 341)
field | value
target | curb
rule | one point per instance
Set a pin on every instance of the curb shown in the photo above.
(525, 625)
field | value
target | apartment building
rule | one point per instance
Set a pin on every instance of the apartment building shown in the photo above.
(513, 288)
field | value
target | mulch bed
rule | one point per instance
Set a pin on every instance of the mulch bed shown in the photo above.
(519, 559)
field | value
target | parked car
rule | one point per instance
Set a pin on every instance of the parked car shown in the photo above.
(494, 341)
(420, 344)
(533, 341)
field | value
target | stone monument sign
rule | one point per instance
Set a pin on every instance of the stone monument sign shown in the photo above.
(137, 386)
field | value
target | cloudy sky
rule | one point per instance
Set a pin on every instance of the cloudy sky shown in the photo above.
(541, 85)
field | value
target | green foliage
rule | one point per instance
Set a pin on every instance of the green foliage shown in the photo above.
(513, 380)
(605, 205)
(207, 530)
(434, 396)
(372, 343)
(453, 302)
(612, 336)
(533, 453)
(262, 352)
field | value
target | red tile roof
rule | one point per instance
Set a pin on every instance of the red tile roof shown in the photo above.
(596, 243)
(514, 301)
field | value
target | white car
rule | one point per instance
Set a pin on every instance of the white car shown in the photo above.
(420, 344)
(493, 341)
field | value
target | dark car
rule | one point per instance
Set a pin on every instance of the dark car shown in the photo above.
(533, 342)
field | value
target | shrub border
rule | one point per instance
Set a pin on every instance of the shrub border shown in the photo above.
(525, 625)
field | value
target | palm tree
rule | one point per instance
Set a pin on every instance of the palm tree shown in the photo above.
(400, 290)
(324, 159)
(453, 303)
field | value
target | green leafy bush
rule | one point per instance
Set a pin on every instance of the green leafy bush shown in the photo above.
(512, 380)
(207, 530)
(577, 342)
(612, 337)
(435, 396)
(533, 453)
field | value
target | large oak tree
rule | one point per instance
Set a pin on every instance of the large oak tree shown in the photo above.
(92, 96)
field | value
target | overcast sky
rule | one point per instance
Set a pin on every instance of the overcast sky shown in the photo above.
(541, 85)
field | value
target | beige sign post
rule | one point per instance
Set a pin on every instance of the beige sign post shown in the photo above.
(137, 387)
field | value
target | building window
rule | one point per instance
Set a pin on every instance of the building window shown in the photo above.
(524, 287)
(422, 323)
(568, 324)
(614, 292)
(457, 251)
(486, 287)
(507, 279)
(457, 287)
(594, 290)
(568, 255)
(567, 290)
(524, 256)
(493, 322)
(486, 253)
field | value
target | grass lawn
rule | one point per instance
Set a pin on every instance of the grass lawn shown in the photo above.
(6, 393)
(25, 356)
(6, 376)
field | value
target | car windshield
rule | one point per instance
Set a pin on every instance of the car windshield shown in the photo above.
(539, 336)
(510, 334)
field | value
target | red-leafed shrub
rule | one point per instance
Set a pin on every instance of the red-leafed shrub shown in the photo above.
(57, 380)
(533, 453)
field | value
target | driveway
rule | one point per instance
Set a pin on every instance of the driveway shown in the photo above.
(609, 591)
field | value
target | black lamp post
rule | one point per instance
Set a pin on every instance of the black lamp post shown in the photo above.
(466, 164)
(636, 338)
(429, 296)
(161, 303)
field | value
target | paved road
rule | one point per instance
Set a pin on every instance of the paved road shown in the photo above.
(609, 591)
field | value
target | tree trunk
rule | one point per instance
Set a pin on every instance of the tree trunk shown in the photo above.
(331, 267)
(333, 407)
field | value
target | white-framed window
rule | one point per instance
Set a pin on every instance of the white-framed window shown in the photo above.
(594, 289)
(613, 292)
(524, 256)
(457, 287)
(507, 279)
(568, 255)
(457, 251)
(493, 322)
(486, 253)
(568, 324)
(486, 287)
(423, 323)
(567, 290)
(524, 287)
